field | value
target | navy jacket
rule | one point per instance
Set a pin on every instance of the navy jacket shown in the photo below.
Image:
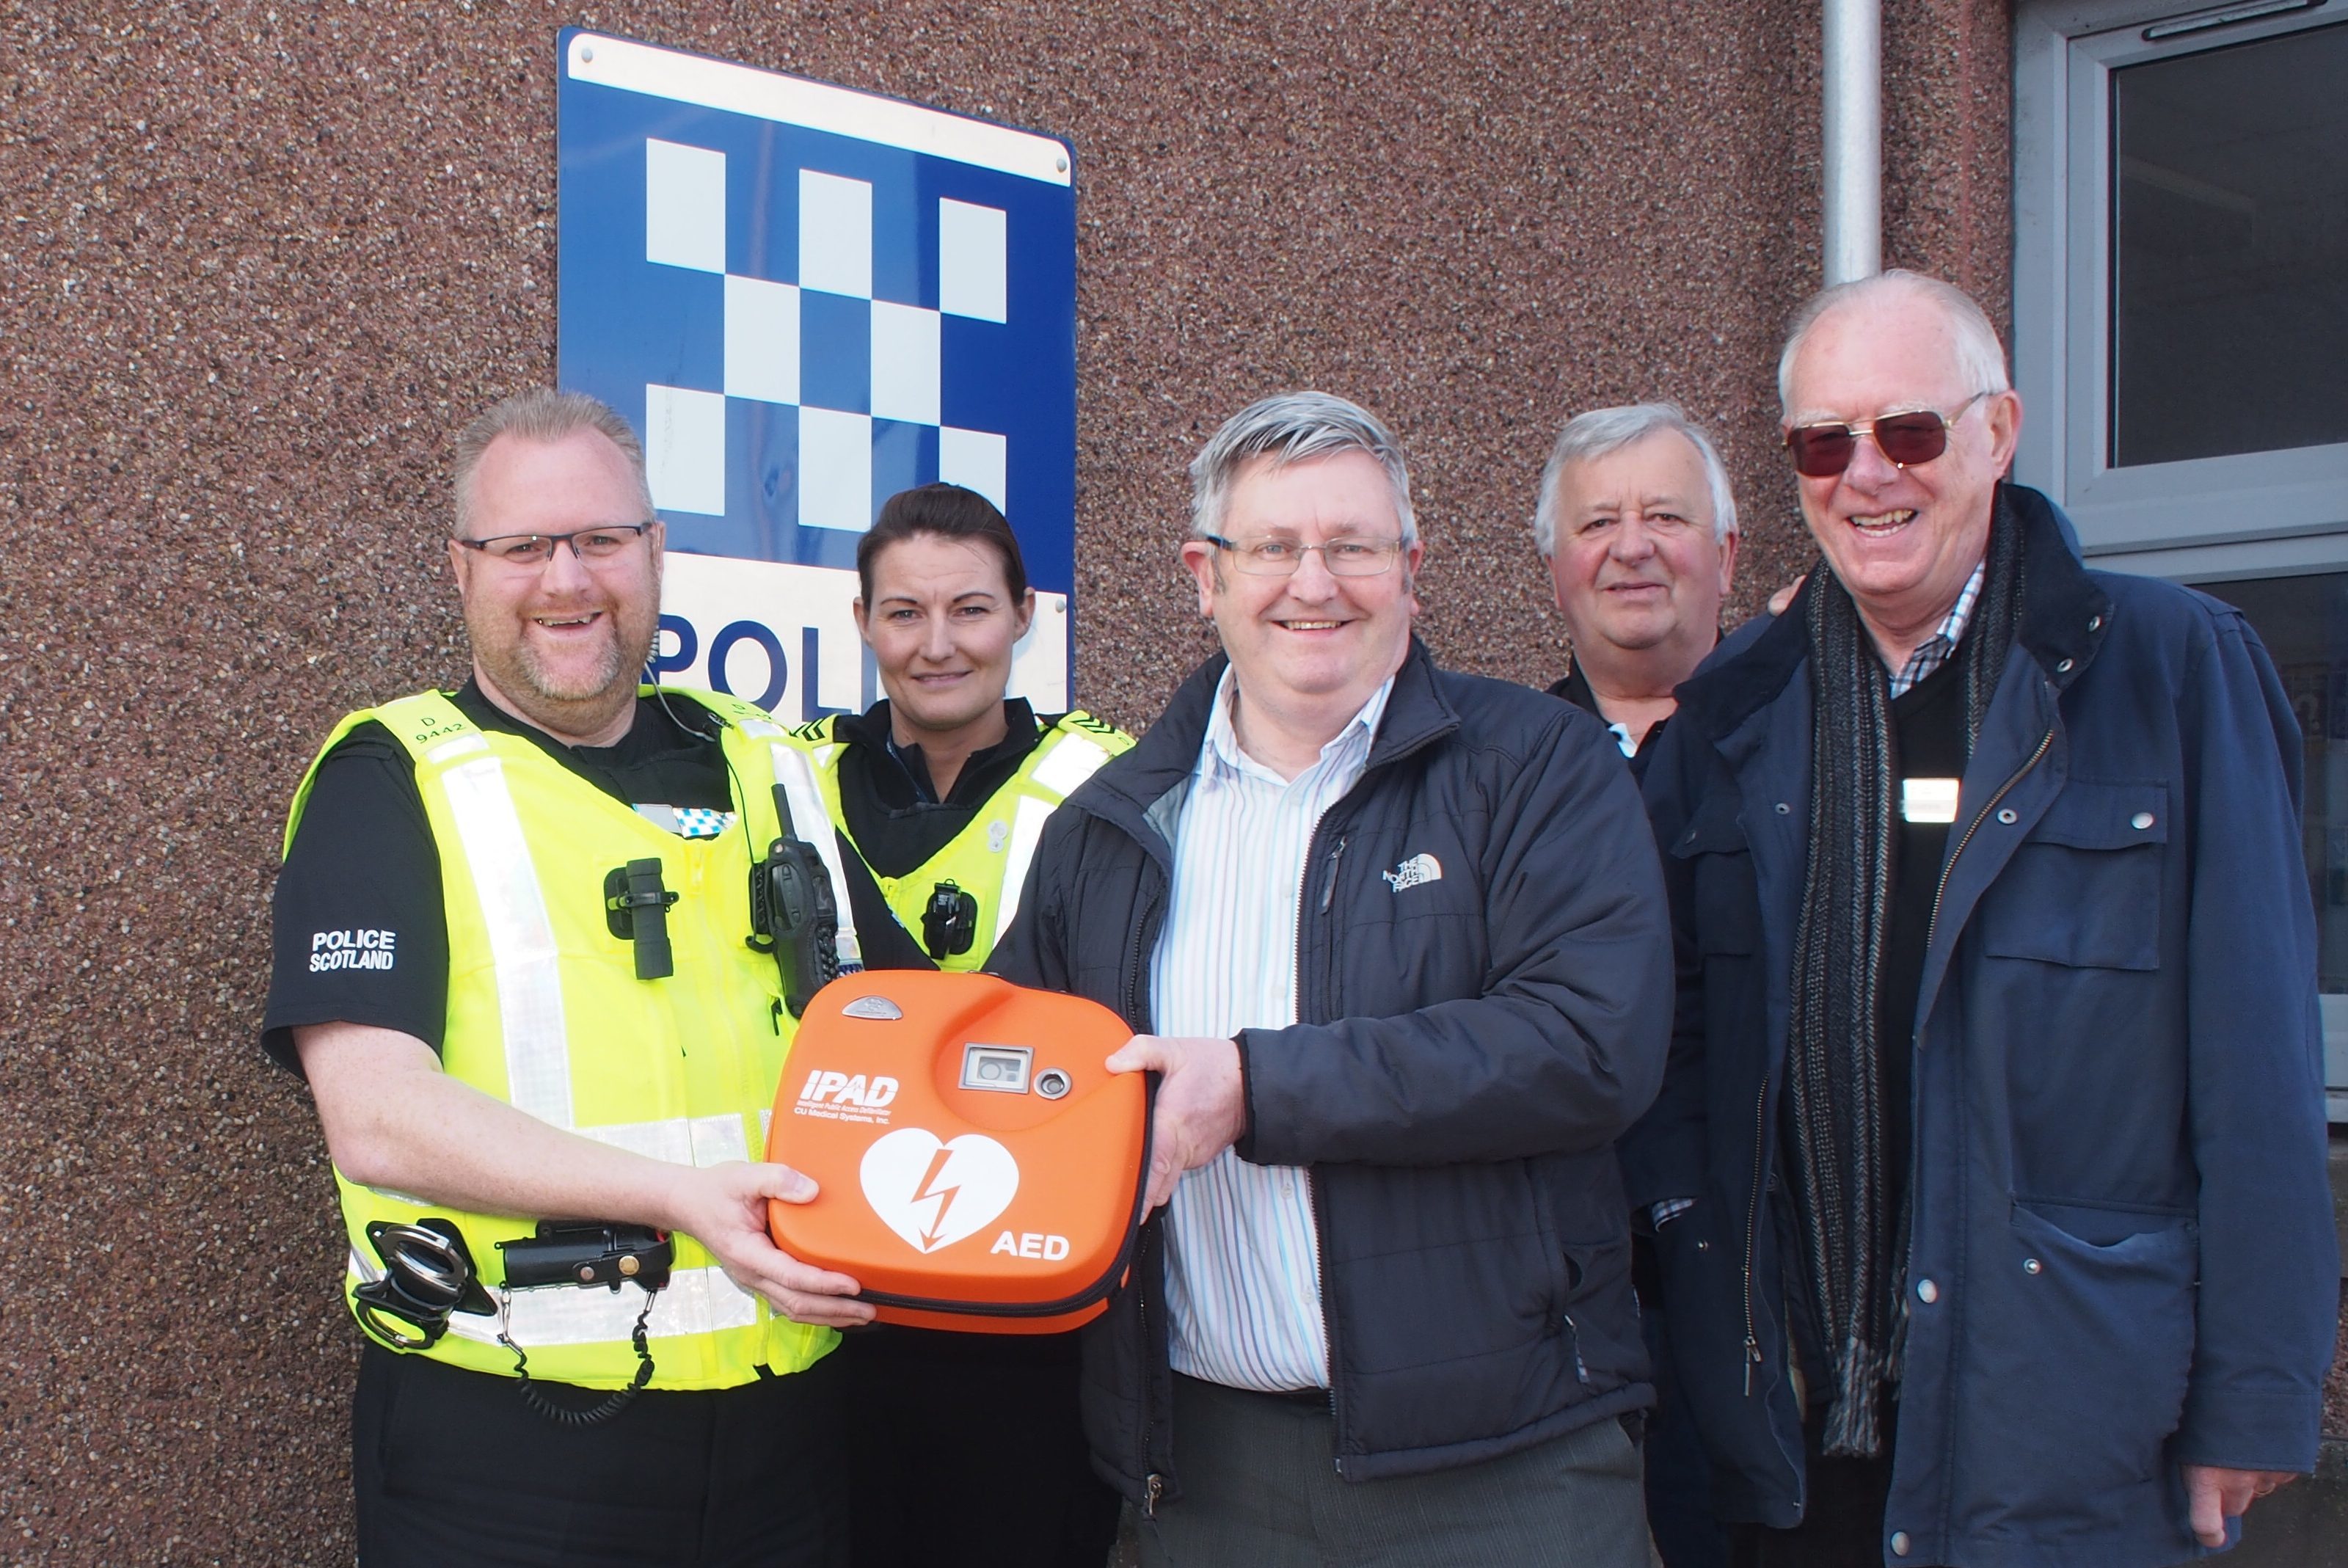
(1468, 1050)
(2123, 1257)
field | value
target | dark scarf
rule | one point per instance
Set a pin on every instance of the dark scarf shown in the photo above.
(1834, 1063)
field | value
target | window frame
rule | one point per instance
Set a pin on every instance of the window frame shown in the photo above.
(2247, 514)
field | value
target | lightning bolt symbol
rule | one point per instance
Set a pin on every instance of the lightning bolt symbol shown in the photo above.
(944, 1196)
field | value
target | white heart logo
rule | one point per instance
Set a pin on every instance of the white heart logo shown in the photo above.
(932, 1193)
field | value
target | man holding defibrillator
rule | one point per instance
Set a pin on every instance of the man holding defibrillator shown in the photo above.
(527, 945)
(1394, 940)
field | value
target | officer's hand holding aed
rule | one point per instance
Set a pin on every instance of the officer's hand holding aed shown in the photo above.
(979, 1166)
(723, 1207)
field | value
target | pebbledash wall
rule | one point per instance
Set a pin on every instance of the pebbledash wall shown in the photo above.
(258, 261)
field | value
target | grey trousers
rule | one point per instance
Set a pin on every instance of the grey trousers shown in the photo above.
(1261, 1490)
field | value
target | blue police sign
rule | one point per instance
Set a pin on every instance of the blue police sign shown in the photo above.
(808, 299)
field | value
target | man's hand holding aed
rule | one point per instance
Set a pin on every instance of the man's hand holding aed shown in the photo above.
(1202, 1107)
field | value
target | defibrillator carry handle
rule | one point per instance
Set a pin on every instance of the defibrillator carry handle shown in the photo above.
(794, 914)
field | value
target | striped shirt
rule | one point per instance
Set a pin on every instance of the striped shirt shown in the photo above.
(1243, 1258)
(1934, 651)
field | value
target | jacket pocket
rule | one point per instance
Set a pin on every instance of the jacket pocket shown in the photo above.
(1719, 866)
(2079, 1351)
(1600, 1316)
(2084, 889)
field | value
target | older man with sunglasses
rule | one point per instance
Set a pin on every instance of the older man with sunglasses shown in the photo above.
(1988, 1175)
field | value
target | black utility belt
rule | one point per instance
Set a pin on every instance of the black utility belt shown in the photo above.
(429, 1276)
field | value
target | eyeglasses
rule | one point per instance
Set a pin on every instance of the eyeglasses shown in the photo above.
(600, 544)
(1822, 451)
(1346, 557)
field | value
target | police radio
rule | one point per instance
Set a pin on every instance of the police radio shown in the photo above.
(794, 914)
(977, 1165)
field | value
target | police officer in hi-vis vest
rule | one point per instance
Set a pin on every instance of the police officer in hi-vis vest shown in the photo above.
(967, 1447)
(527, 956)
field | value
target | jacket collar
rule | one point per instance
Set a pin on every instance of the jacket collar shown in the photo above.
(2065, 614)
(1417, 715)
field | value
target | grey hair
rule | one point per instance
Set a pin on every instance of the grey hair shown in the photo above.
(543, 414)
(1293, 427)
(1601, 431)
(1981, 357)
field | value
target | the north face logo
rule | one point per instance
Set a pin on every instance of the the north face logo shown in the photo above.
(1411, 872)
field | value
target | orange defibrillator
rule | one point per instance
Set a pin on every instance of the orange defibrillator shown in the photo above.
(979, 1168)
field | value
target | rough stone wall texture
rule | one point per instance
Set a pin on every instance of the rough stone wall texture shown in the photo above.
(258, 261)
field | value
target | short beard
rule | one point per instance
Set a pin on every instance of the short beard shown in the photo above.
(531, 675)
(518, 672)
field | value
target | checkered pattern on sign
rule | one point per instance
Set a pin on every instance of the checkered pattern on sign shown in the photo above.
(859, 369)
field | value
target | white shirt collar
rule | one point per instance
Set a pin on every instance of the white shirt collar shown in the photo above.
(1222, 741)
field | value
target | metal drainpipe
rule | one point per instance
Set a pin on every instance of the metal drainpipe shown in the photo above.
(1854, 140)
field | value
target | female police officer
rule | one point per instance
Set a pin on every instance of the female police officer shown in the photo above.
(967, 1447)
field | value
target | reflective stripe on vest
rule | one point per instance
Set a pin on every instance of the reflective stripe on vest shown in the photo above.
(809, 815)
(544, 1011)
(989, 858)
(521, 939)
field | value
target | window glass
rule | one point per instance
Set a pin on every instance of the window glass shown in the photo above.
(2230, 249)
(2303, 621)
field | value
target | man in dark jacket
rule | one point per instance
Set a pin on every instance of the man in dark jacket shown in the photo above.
(1637, 526)
(1989, 1169)
(1395, 941)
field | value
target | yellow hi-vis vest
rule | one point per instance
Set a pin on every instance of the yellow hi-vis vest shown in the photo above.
(545, 1012)
(989, 858)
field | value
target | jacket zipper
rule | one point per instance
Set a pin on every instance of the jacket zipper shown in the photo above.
(1328, 1318)
(1950, 865)
(1581, 1367)
(1312, 1184)
(1152, 1483)
(1752, 1221)
(1133, 971)
(1328, 889)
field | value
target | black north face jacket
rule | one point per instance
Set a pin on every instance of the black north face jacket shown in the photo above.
(1474, 1032)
